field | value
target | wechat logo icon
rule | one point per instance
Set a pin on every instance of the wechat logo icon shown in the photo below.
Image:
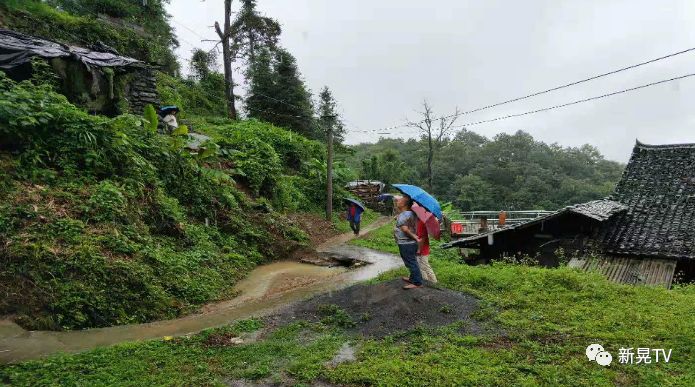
(595, 352)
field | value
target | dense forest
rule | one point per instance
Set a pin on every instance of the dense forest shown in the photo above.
(507, 172)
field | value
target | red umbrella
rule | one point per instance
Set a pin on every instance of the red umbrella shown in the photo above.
(429, 220)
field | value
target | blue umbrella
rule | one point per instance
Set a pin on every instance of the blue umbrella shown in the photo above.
(384, 197)
(165, 109)
(356, 202)
(421, 197)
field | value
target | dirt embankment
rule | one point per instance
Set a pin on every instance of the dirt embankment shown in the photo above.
(317, 228)
(377, 310)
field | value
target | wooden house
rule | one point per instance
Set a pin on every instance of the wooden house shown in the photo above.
(644, 233)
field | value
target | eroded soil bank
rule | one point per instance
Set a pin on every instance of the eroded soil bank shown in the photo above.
(267, 288)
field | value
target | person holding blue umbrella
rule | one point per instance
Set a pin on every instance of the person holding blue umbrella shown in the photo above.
(354, 214)
(431, 205)
(421, 197)
(407, 241)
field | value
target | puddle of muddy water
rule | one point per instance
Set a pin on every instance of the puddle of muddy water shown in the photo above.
(265, 289)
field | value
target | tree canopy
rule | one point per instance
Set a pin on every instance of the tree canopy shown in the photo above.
(510, 171)
(277, 93)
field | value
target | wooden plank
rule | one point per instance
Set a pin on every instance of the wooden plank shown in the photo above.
(622, 270)
(636, 271)
(645, 270)
(615, 269)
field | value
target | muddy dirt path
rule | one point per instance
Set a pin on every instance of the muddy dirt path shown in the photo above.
(263, 291)
(344, 238)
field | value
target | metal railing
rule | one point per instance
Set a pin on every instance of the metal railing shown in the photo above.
(474, 222)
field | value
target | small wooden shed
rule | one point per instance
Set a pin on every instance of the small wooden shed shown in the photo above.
(96, 78)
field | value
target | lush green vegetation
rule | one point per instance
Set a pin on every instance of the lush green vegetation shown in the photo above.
(508, 172)
(540, 340)
(203, 97)
(105, 222)
(78, 23)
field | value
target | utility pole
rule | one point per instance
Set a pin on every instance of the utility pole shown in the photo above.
(329, 173)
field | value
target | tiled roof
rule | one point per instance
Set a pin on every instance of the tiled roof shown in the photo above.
(600, 210)
(658, 187)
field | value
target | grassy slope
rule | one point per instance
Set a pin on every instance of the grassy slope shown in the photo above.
(549, 317)
(103, 222)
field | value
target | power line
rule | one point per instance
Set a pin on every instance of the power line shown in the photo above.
(385, 131)
(577, 101)
(188, 28)
(545, 91)
(277, 100)
(571, 103)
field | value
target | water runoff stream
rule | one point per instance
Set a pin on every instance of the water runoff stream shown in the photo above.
(264, 290)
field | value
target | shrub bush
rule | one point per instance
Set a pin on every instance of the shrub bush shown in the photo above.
(255, 158)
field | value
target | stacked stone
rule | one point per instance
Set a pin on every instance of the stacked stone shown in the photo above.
(142, 91)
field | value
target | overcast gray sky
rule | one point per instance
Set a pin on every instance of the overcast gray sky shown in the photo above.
(381, 58)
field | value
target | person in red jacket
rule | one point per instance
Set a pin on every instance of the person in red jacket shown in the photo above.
(423, 253)
(354, 215)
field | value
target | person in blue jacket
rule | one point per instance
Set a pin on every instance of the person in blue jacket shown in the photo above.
(354, 215)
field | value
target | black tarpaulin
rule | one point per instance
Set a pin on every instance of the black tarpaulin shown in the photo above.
(17, 49)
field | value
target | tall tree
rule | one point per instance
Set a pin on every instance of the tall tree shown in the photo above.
(241, 39)
(328, 117)
(203, 63)
(227, 57)
(434, 135)
(279, 95)
(252, 31)
(262, 80)
(294, 107)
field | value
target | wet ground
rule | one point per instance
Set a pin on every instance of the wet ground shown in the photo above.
(378, 310)
(263, 291)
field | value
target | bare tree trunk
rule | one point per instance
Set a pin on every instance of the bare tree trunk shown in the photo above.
(252, 48)
(433, 144)
(227, 58)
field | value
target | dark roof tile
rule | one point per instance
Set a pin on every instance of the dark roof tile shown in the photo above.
(658, 187)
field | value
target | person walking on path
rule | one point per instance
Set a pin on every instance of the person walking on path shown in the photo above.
(423, 253)
(354, 216)
(407, 241)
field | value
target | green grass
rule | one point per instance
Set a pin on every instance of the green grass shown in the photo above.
(545, 319)
(298, 350)
(105, 223)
